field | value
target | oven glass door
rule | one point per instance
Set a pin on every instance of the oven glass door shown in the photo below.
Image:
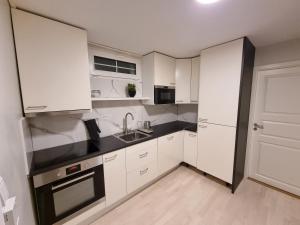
(72, 194)
(164, 95)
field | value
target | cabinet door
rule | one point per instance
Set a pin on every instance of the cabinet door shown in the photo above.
(141, 154)
(114, 176)
(190, 148)
(170, 151)
(216, 150)
(195, 79)
(183, 80)
(53, 64)
(219, 84)
(164, 70)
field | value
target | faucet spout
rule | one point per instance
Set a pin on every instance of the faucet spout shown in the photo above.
(125, 126)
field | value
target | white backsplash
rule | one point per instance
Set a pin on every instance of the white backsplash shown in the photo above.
(50, 131)
(188, 113)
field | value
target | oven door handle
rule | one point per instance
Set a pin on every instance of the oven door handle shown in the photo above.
(72, 181)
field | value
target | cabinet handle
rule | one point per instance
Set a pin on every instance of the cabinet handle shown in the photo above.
(172, 83)
(143, 155)
(111, 158)
(142, 172)
(179, 100)
(192, 135)
(36, 107)
(202, 120)
(202, 126)
(194, 101)
(170, 138)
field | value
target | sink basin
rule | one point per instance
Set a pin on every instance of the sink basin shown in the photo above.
(132, 136)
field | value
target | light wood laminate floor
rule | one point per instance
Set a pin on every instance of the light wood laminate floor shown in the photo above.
(185, 197)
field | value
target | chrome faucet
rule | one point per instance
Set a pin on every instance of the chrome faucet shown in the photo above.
(125, 128)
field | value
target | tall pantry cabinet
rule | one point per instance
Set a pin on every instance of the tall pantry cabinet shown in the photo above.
(223, 113)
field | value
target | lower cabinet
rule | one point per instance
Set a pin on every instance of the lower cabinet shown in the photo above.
(190, 148)
(170, 151)
(216, 153)
(141, 164)
(114, 176)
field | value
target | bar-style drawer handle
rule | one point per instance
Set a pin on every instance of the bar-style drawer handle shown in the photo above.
(202, 120)
(172, 83)
(194, 101)
(202, 126)
(192, 135)
(179, 100)
(111, 158)
(143, 155)
(36, 107)
(170, 138)
(142, 172)
(72, 181)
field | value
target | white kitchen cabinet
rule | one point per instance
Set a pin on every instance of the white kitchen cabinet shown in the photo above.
(219, 85)
(157, 69)
(183, 75)
(216, 150)
(141, 154)
(195, 79)
(190, 148)
(114, 164)
(164, 70)
(141, 176)
(141, 164)
(169, 151)
(53, 64)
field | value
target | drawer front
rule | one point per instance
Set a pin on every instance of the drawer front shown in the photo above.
(141, 176)
(141, 154)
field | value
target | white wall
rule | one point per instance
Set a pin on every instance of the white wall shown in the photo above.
(12, 167)
(278, 53)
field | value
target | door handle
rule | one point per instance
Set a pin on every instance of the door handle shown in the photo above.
(257, 126)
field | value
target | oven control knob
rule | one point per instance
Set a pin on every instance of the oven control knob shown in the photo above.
(87, 165)
(58, 174)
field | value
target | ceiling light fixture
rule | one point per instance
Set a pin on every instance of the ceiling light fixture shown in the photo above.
(207, 1)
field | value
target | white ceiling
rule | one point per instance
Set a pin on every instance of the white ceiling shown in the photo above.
(179, 28)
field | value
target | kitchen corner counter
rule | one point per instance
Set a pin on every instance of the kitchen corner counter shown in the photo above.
(53, 158)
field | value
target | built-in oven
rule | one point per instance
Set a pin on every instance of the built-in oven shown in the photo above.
(164, 95)
(62, 192)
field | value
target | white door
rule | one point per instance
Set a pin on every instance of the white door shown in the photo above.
(195, 79)
(219, 85)
(183, 80)
(216, 150)
(190, 148)
(114, 176)
(164, 70)
(53, 64)
(275, 145)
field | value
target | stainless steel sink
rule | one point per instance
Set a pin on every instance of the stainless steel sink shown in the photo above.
(132, 136)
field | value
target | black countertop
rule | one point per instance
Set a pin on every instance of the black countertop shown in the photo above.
(53, 158)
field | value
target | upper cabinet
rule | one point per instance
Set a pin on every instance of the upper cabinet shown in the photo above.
(164, 70)
(195, 79)
(220, 76)
(53, 64)
(183, 81)
(157, 69)
(109, 63)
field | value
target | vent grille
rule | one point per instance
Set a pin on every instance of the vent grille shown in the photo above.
(112, 65)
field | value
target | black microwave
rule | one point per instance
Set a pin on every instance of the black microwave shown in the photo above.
(164, 95)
